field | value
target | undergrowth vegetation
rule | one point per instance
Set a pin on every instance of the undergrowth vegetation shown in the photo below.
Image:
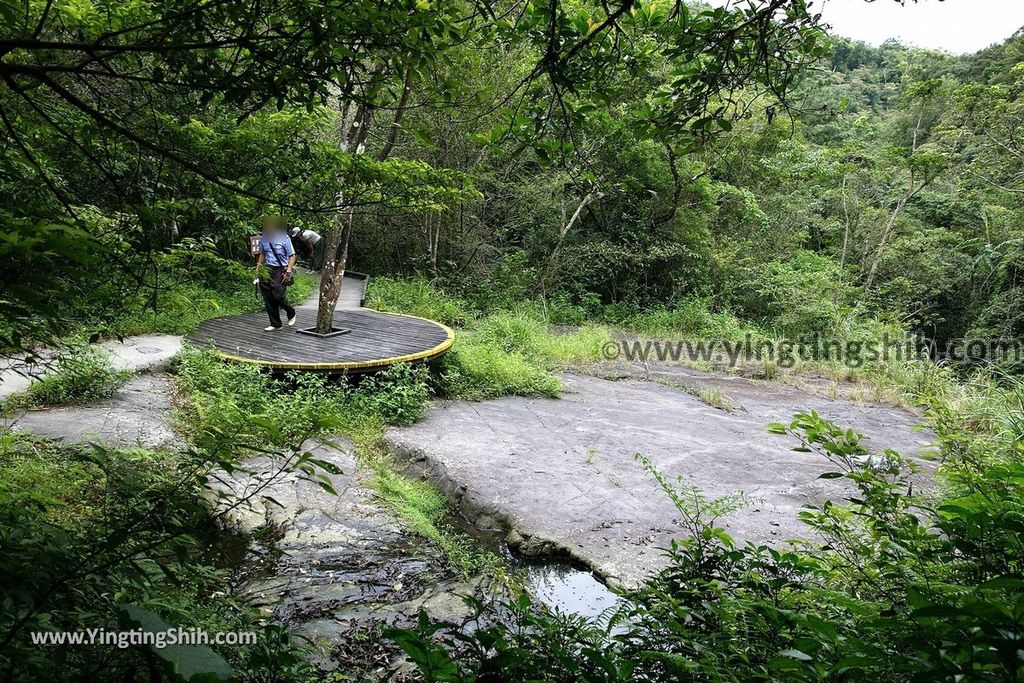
(257, 406)
(241, 403)
(515, 348)
(192, 290)
(80, 375)
(96, 538)
(902, 587)
(506, 352)
(175, 290)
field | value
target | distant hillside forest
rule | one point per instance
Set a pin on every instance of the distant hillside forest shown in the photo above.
(892, 187)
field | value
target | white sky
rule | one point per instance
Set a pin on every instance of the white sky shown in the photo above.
(957, 26)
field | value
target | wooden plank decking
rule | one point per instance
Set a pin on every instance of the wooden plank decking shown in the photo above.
(376, 339)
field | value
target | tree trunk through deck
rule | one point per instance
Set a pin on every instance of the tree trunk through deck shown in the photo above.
(333, 273)
(353, 137)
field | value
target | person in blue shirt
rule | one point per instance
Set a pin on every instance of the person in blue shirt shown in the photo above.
(277, 261)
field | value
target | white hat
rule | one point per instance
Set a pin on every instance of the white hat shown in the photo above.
(294, 232)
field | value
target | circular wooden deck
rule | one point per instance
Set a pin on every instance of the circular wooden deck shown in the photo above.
(376, 339)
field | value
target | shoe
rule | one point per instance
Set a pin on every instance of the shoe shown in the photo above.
(291, 320)
(271, 328)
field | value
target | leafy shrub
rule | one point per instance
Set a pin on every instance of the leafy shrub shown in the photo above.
(640, 266)
(94, 538)
(397, 395)
(803, 295)
(63, 488)
(80, 376)
(559, 309)
(196, 260)
(925, 281)
(150, 290)
(691, 318)
(511, 281)
(897, 590)
(253, 405)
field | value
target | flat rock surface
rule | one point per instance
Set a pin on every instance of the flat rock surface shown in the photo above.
(143, 353)
(139, 414)
(561, 473)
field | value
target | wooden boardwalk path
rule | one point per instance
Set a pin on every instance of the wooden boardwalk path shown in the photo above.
(376, 340)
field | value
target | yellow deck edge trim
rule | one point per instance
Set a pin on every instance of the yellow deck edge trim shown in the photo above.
(357, 365)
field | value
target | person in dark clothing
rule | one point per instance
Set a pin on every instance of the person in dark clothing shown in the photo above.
(277, 261)
(312, 243)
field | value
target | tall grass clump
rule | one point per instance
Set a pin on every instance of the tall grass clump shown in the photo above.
(519, 332)
(506, 353)
(252, 404)
(478, 370)
(81, 375)
(426, 511)
(417, 297)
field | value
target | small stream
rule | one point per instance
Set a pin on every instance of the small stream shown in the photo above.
(556, 582)
(337, 583)
(559, 584)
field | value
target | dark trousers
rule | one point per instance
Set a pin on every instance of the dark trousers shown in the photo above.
(275, 296)
(316, 260)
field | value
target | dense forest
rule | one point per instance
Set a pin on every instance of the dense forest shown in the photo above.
(542, 177)
(884, 187)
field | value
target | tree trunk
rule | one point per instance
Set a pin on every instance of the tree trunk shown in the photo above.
(333, 274)
(884, 241)
(431, 233)
(353, 135)
(846, 234)
(566, 227)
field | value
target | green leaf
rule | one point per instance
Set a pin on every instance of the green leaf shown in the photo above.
(192, 663)
(431, 659)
